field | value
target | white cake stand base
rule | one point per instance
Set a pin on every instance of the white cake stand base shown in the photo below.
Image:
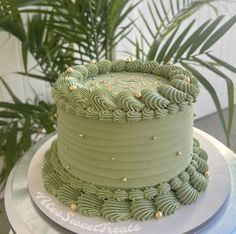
(188, 219)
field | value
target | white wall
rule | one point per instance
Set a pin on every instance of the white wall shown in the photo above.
(10, 61)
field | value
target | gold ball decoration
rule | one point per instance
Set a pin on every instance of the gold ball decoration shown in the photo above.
(138, 95)
(129, 59)
(73, 207)
(72, 87)
(178, 153)
(55, 116)
(82, 135)
(124, 179)
(68, 167)
(93, 61)
(158, 214)
(69, 69)
(187, 79)
(154, 138)
(113, 158)
(194, 114)
(206, 174)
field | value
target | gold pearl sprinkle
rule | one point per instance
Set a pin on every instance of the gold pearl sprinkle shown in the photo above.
(158, 214)
(129, 59)
(69, 69)
(154, 138)
(55, 116)
(109, 88)
(73, 87)
(73, 207)
(82, 135)
(113, 158)
(206, 174)
(178, 153)
(68, 167)
(124, 179)
(93, 61)
(194, 114)
(187, 79)
(138, 94)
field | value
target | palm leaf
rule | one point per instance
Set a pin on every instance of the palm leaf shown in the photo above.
(230, 89)
(213, 94)
(218, 34)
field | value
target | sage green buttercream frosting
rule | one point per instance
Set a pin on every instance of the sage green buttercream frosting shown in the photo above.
(137, 88)
(90, 158)
(124, 147)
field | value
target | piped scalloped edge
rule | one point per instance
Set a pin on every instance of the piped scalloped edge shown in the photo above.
(122, 204)
(101, 104)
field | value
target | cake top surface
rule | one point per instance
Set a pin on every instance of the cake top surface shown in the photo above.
(121, 91)
(131, 81)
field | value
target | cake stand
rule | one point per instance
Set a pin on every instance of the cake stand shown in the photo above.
(25, 217)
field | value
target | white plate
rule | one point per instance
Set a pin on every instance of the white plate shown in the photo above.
(187, 219)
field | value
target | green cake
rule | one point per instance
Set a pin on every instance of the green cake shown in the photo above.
(125, 146)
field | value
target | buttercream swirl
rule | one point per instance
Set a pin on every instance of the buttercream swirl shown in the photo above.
(119, 116)
(160, 113)
(196, 143)
(163, 187)
(150, 193)
(115, 211)
(104, 66)
(92, 69)
(136, 194)
(142, 209)
(133, 66)
(68, 195)
(186, 193)
(191, 169)
(134, 116)
(166, 203)
(147, 113)
(106, 115)
(52, 183)
(153, 100)
(91, 113)
(89, 205)
(183, 105)
(104, 193)
(128, 102)
(203, 154)
(118, 66)
(171, 93)
(173, 108)
(198, 181)
(149, 66)
(184, 176)
(175, 183)
(185, 87)
(120, 195)
(83, 70)
(89, 188)
(77, 74)
(101, 99)
(202, 164)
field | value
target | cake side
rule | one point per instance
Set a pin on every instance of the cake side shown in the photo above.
(125, 155)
